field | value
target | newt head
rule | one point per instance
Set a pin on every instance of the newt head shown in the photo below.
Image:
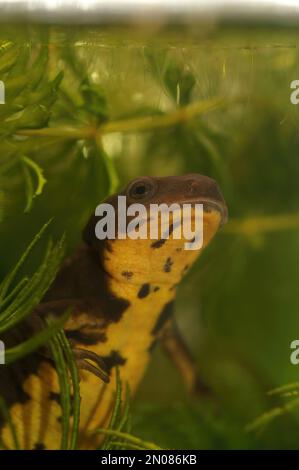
(160, 259)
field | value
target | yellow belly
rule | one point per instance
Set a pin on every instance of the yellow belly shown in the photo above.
(38, 421)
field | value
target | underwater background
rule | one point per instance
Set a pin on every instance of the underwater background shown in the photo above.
(89, 108)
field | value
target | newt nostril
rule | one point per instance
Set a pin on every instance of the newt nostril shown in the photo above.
(193, 188)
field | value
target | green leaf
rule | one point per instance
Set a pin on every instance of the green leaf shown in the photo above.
(267, 417)
(130, 439)
(116, 413)
(64, 386)
(6, 283)
(95, 100)
(180, 82)
(8, 56)
(33, 289)
(66, 369)
(75, 388)
(29, 346)
(41, 180)
(285, 388)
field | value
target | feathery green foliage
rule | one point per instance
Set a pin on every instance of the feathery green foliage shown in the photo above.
(19, 309)
(17, 304)
(75, 387)
(69, 390)
(18, 299)
(287, 392)
(118, 436)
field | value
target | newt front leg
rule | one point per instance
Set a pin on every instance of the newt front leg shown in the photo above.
(175, 347)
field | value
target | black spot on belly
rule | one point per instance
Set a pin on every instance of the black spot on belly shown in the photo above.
(161, 242)
(168, 265)
(86, 338)
(114, 307)
(127, 274)
(158, 243)
(156, 288)
(55, 397)
(143, 291)
(171, 227)
(163, 317)
(114, 359)
(39, 446)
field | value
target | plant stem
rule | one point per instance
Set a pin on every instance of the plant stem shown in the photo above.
(145, 123)
(157, 122)
(129, 438)
(262, 224)
(65, 132)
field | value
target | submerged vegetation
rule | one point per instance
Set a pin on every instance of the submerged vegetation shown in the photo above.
(86, 111)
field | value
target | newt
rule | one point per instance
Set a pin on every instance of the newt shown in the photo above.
(121, 293)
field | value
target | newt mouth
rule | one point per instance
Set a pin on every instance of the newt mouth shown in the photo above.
(210, 205)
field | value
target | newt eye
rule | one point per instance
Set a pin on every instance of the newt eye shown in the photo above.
(141, 188)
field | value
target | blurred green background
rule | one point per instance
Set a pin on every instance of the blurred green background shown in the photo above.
(238, 307)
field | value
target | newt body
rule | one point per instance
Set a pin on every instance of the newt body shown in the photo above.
(121, 293)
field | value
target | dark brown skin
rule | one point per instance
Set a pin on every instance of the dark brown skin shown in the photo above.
(121, 293)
